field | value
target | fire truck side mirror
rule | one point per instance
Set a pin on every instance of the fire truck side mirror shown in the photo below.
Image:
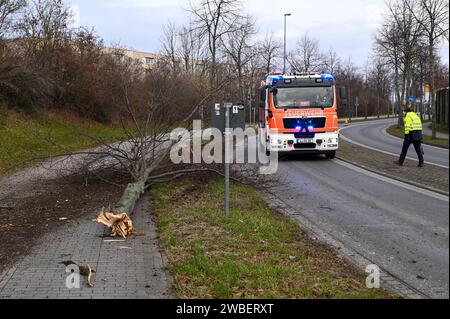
(262, 97)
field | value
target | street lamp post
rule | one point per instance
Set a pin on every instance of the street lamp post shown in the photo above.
(284, 58)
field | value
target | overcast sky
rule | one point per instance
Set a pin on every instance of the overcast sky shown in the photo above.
(347, 25)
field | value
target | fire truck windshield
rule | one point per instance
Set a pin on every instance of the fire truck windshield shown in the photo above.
(303, 97)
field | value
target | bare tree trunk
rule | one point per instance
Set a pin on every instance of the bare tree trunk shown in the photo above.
(432, 96)
(398, 97)
(378, 104)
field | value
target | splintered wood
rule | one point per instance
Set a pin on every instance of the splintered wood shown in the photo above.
(121, 225)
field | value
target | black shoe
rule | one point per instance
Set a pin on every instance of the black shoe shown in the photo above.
(398, 163)
(420, 165)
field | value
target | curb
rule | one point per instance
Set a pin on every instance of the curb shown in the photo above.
(387, 280)
(429, 188)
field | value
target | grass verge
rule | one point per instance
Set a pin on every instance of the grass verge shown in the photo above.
(26, 140)
(399, 132)
(439, 128)
(254, 253)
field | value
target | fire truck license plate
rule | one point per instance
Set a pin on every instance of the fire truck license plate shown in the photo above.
(304, 140)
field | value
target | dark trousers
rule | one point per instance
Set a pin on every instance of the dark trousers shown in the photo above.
(417, 146)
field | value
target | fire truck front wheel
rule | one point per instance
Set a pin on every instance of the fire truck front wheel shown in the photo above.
(330, 155)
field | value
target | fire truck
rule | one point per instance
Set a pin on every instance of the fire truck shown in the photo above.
(298, 113)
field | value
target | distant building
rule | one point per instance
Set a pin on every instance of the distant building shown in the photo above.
(148, 60)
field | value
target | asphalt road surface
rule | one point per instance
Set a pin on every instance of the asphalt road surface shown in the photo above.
(402, 229)
(372, 134)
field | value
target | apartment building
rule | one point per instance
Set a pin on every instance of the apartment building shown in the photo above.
(148, 60)
(151, 60)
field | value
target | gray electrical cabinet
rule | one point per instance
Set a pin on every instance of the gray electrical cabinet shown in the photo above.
(237, 116)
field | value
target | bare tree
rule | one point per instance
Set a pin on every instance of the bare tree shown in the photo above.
(421, 75)
(269, 49)
(306, 57)
(238, 47)
(8, 9)
(410, 33)
(331, 60)
(433, 17)
(213, 20)
(378, 78)
(190, 48)
(44, 26)
(347, 74)
(170, 45)
(388, 43)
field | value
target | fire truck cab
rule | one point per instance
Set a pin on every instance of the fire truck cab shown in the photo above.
(298, 113)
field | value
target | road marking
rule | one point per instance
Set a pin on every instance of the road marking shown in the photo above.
(384, 152)
(393, 181)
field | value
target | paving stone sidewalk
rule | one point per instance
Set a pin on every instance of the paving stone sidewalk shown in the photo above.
(430, 176)
(125, 269)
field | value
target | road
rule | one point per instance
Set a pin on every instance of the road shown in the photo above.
(372, 134)
(401, 228)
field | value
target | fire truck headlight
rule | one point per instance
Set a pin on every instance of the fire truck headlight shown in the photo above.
(277, 141)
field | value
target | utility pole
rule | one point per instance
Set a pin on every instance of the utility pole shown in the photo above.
(284, 56)
(228, 107)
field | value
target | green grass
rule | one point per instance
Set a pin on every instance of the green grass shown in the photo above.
(399, 132)
(26, 140)
(363, 119)
(440, 128)
(254, 253)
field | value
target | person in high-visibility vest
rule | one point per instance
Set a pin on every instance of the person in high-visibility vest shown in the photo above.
(413, 135)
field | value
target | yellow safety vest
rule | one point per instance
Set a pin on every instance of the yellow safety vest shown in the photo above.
(412, 123)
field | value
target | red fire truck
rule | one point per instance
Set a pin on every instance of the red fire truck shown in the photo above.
(298, 113)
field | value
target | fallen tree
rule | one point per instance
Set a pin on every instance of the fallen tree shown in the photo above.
(142, 154)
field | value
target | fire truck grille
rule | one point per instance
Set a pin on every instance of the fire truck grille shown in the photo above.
(293, 123)
(304, 135)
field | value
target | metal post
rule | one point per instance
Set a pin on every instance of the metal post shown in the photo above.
(284, 56)
(201, 116)
(227, 107)
(250, 105)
